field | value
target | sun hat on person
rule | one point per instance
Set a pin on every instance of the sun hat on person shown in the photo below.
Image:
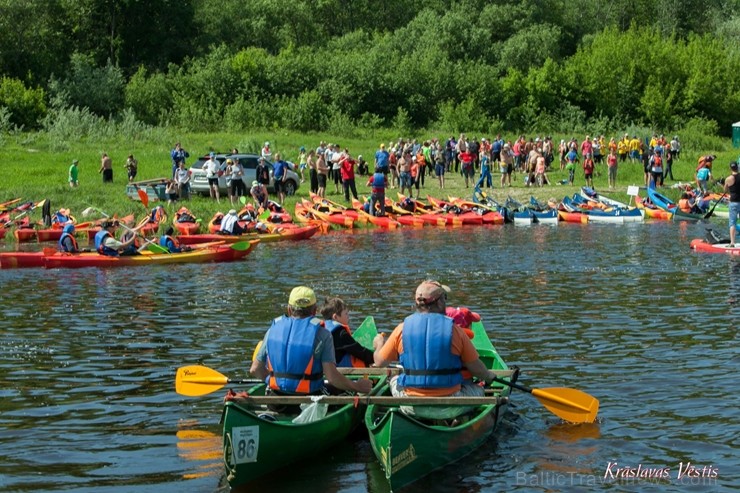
(212, 155)
(267, 143)
(75, 161)
(302, 297)
(430, 291)
(302, 149)
(229, 161)
(232, 212)
(255, 183)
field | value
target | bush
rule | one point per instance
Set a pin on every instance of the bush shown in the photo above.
(25, 106)
(100, 89)
(150, 98)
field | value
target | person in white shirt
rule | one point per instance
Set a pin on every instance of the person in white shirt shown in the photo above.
(238, 188)
(267, 152)
(182, 178)
(213, 168)
(230, 224)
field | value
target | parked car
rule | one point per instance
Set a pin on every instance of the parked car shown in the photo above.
(199, 182)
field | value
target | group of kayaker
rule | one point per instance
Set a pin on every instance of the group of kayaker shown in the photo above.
(107, 244)
(437, 355)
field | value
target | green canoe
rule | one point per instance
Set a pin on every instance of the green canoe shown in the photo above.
(255, 446)
(409, 449)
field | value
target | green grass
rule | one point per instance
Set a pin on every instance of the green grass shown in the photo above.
(34, 170)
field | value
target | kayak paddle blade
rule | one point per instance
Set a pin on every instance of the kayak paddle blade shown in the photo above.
(196, 380)
(571, 405)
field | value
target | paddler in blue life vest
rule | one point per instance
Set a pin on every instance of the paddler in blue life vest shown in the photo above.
(107, 244)
(67, 242)
(434, 352)
(298, 351)
(348, 351)
(168, 241)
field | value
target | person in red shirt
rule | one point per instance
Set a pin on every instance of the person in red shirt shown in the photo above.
(588, 169)
(466, 158)
(347, 170)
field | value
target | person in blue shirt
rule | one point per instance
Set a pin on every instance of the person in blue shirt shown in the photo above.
(280, 173)
(382, 159)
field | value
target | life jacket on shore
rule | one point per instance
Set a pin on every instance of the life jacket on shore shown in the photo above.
(290, 355)
(427, 358)
(347, 360)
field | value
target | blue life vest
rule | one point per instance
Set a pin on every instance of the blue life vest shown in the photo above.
(169, 243)
(427, 357)
(290, 356)
(331, 326)
(100, 237)
(378, 180)
(68, 232)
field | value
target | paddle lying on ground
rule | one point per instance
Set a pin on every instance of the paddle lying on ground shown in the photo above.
(571, 405)
(711, 211)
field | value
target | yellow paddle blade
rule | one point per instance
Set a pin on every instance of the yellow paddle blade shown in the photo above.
(572, 405)
(196, 380)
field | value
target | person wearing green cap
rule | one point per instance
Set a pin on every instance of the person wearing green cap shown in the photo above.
(73, 174)
(297, 352)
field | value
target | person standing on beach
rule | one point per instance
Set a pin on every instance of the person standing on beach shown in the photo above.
(74, 174)
(106, 168)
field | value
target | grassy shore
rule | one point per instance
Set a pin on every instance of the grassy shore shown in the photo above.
(34, 169)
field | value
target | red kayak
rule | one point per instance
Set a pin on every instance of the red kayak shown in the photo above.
(287, 234)
(701, 245)
(54, 233)
(185, 222)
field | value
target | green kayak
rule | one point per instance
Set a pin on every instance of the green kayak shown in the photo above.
(257, 442)
(408, 448)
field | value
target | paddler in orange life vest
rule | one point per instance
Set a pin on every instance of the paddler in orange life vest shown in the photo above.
(433, 351)
(297, 352)
(348, 352)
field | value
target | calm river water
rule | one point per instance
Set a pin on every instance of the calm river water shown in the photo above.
(625, 313)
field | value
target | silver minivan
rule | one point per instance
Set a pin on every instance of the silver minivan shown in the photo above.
(199, 182)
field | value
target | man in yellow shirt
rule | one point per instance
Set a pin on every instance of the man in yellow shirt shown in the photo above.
(635, 149)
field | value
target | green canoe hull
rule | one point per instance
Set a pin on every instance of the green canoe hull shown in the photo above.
(255, 446)
(409, 449)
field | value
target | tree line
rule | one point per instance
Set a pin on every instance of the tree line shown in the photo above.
(339, 65)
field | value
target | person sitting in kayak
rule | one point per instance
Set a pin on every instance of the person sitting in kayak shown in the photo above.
(61, 216)
(230, 224)
(106, 243)
(348, 351)
(433, 351)
(67, 242)
(297, 352)
(687, 205)
(168, 241)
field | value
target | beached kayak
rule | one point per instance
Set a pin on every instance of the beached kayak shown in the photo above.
(218, 253)
(409, 448)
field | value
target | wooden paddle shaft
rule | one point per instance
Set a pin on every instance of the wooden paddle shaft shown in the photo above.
(372, 399)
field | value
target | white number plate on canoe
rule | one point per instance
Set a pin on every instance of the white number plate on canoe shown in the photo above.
(246, 441)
